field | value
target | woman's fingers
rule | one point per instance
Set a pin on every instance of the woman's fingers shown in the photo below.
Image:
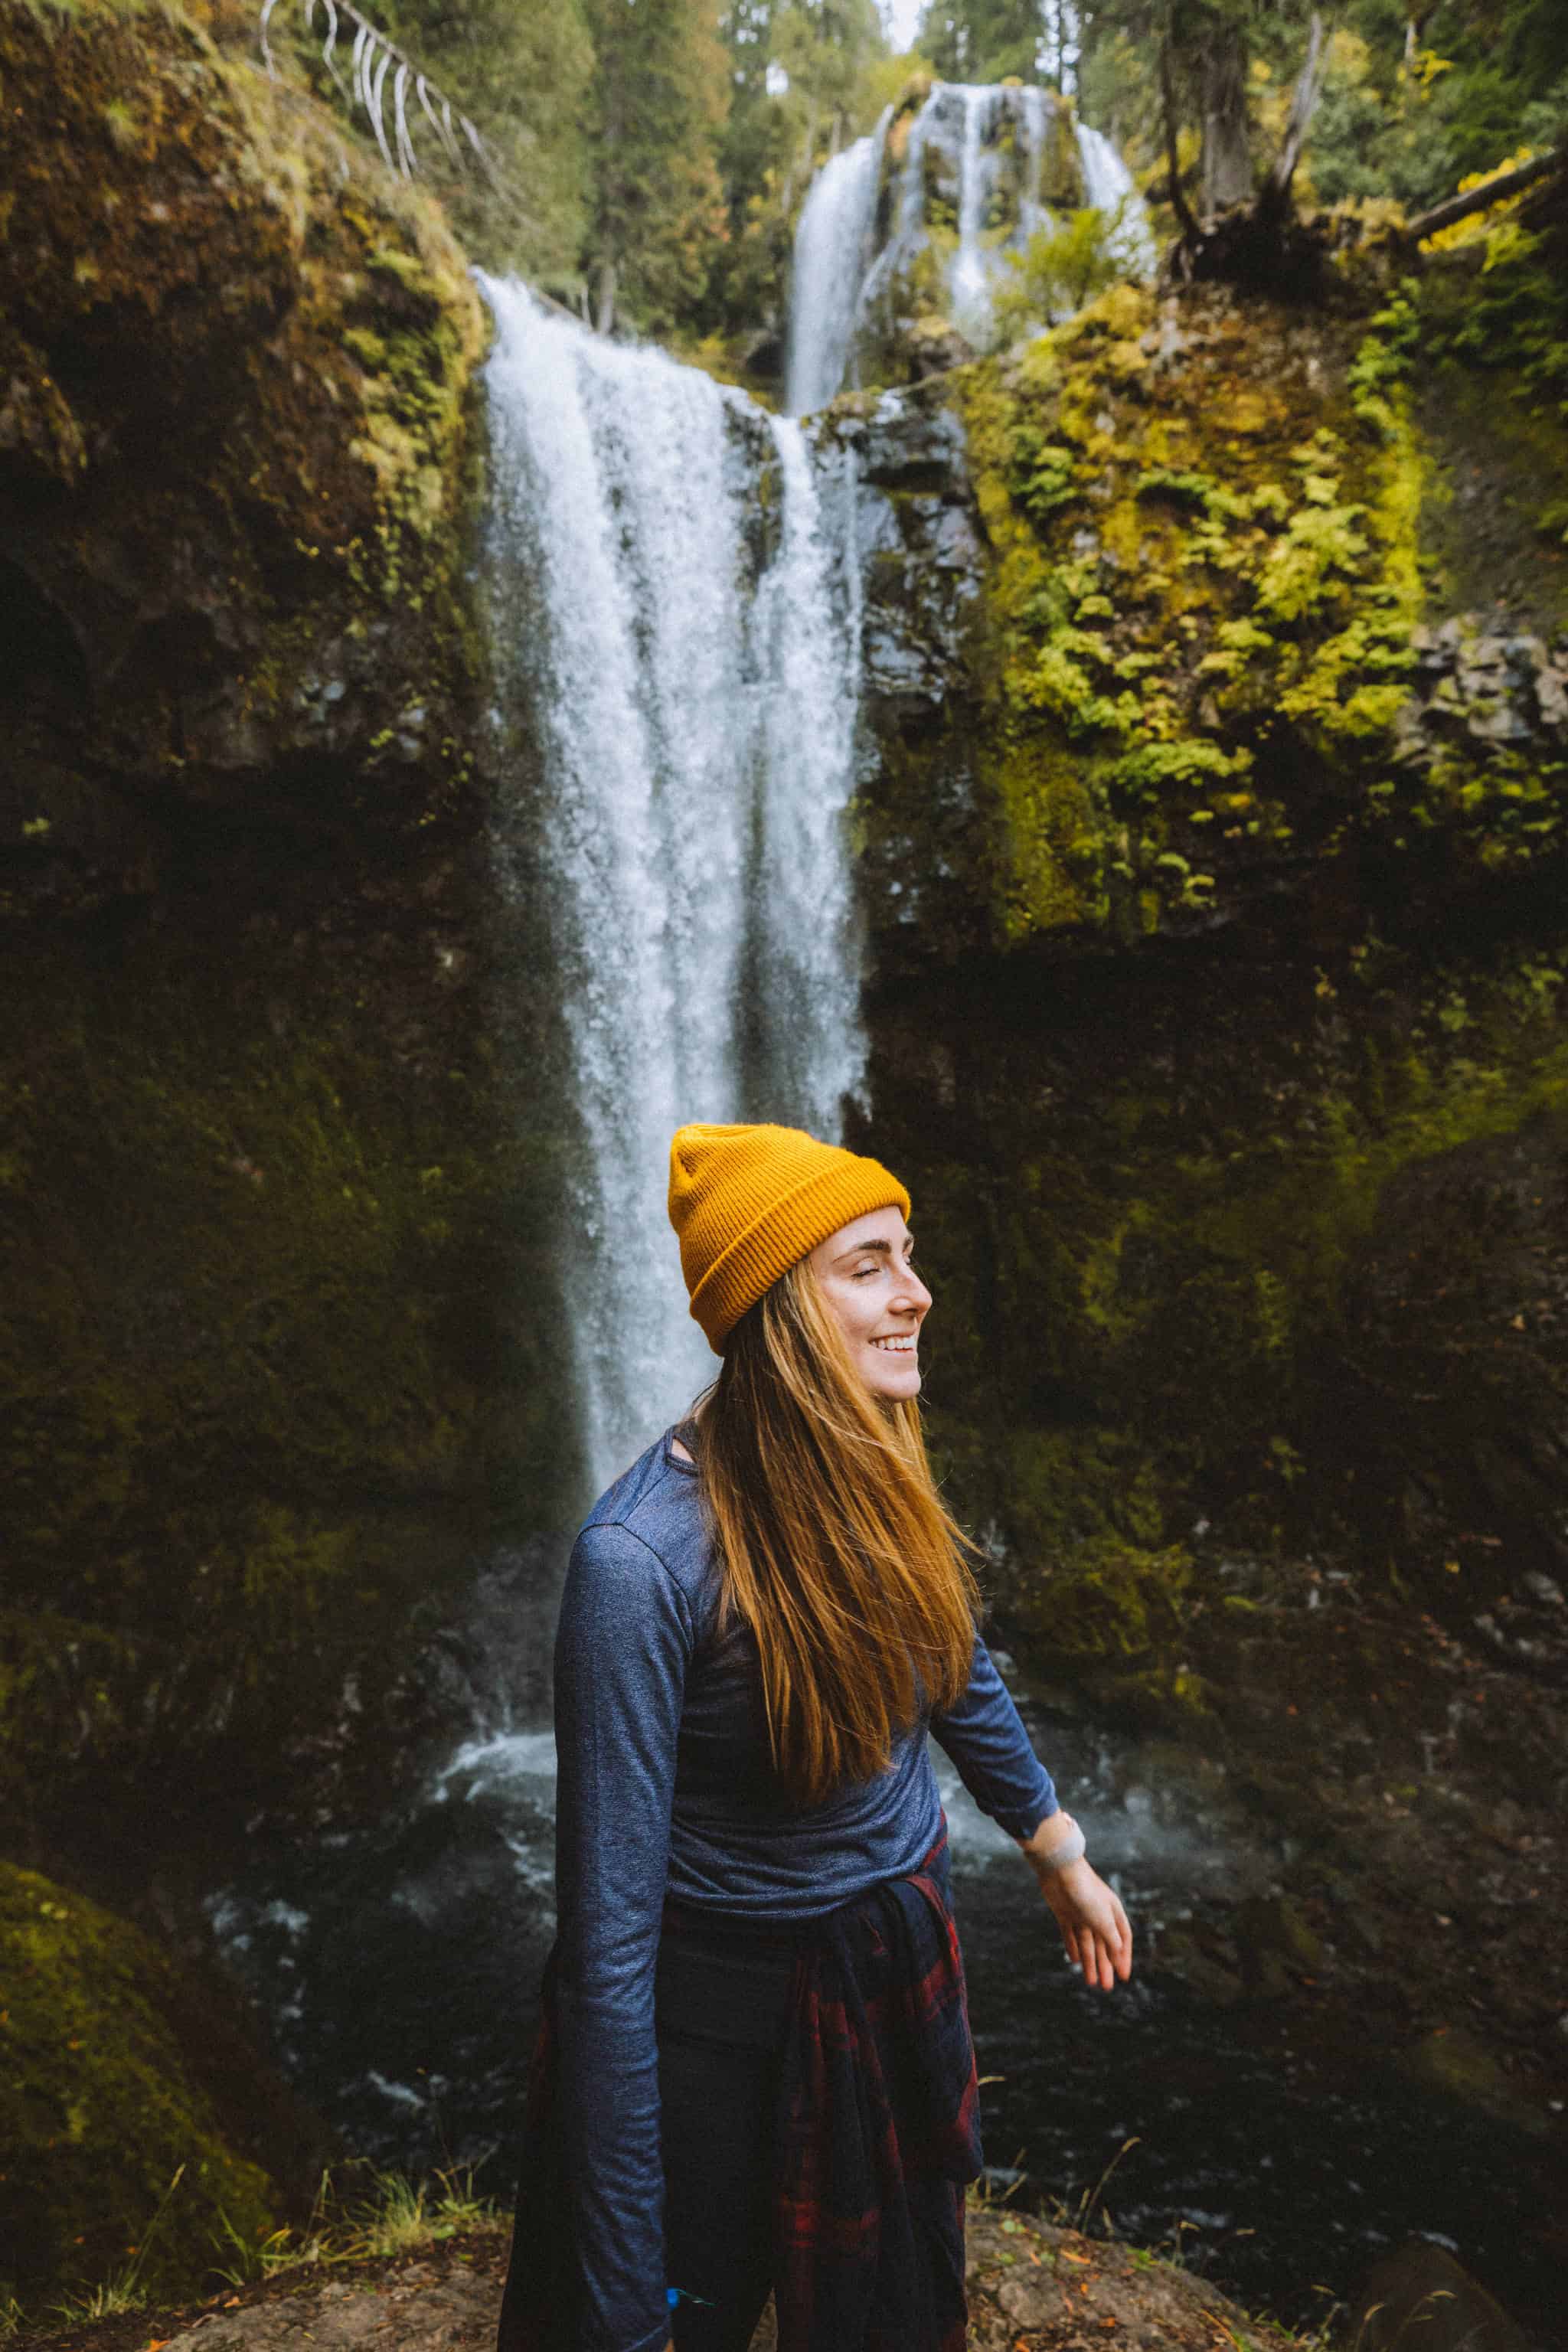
(1094, 1931)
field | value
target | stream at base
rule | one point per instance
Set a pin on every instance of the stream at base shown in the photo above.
(398, 1961)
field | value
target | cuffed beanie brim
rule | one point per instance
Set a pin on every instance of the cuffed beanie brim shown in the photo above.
(748, 1202)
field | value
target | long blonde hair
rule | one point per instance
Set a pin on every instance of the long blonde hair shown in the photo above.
(835, 1547)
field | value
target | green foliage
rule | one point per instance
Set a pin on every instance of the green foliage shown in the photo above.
(397, 2216)
(1398, 117)
(1205, 581)
(654, 152)
(982, 40)
(402, 2214)
(1060, 269)
(657, 110)
(1044, 473)
(805, 76)
(520, 72)
(1511, 316)
(1192, 595)
(1381, 369)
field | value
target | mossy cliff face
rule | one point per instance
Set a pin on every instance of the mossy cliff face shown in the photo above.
(1203, 676)
(268, 1206)
(233, 449)
(1214, 865)
(270, 1383)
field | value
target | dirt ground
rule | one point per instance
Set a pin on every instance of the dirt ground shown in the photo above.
(1033, 2288)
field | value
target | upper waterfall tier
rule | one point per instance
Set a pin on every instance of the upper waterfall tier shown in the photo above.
(903, 238)
(674, 606)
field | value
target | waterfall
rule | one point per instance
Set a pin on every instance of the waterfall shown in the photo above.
(969, 279)
(962, 123)
(1108, 183)
(832, 249)
(671, 599)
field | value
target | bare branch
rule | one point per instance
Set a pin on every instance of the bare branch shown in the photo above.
(331, 44)
(372, 57)
(373, 94)
(400, 123)
(1303, 104)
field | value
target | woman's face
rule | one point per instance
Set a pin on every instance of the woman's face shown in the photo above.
(876, 1299)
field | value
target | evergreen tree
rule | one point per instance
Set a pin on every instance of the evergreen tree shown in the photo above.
(804, 79)
(522, 69)
(985, 40)
(661, 96)
(1416, 92)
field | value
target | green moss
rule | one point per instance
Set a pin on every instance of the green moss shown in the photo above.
(100, 2108)
(255, 1424)
(1090, 1575)
(1201, 602)
(1172, 1227)
(178, 208)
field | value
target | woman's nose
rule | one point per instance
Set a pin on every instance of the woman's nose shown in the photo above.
(912, 1296)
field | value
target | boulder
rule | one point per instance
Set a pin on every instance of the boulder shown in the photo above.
(1419, 2299)
(130, 2096)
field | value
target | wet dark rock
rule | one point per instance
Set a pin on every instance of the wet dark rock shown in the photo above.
(1419, 2299)
(1458, 2062)
(1493, 688)
(904, 442)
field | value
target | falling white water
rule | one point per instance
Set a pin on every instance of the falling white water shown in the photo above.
(834, 291)
(832, 251)
(1033, 213)
(694, 687)
(807, 972)
(969, 279)
(1108, 183)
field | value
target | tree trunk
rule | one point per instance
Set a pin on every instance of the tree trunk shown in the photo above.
(1476, 200)
(605, 316)
(1184, 220)
(1226, 166)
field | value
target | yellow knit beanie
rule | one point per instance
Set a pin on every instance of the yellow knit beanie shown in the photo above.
(748, 1202)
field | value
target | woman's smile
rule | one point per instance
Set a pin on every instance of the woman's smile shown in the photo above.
(865, 1272)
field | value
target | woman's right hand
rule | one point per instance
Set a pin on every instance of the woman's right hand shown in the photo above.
(1093, 1923)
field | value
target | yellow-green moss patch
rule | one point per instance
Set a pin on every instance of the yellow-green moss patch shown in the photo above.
(1205, 523)
(99, 2108)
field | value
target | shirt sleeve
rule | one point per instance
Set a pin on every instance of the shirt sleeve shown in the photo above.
(983, 1733)
(621, 1653)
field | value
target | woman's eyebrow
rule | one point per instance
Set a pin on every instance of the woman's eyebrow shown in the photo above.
(859, 1249)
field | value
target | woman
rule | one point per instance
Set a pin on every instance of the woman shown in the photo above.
(755, 2068)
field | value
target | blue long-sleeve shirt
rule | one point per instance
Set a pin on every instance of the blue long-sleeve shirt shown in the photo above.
(666, 1788)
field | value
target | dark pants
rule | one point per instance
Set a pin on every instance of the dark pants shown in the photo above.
(722, 2000)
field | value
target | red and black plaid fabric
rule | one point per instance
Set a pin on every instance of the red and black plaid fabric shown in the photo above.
(878, 2133)
(880, 2128)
